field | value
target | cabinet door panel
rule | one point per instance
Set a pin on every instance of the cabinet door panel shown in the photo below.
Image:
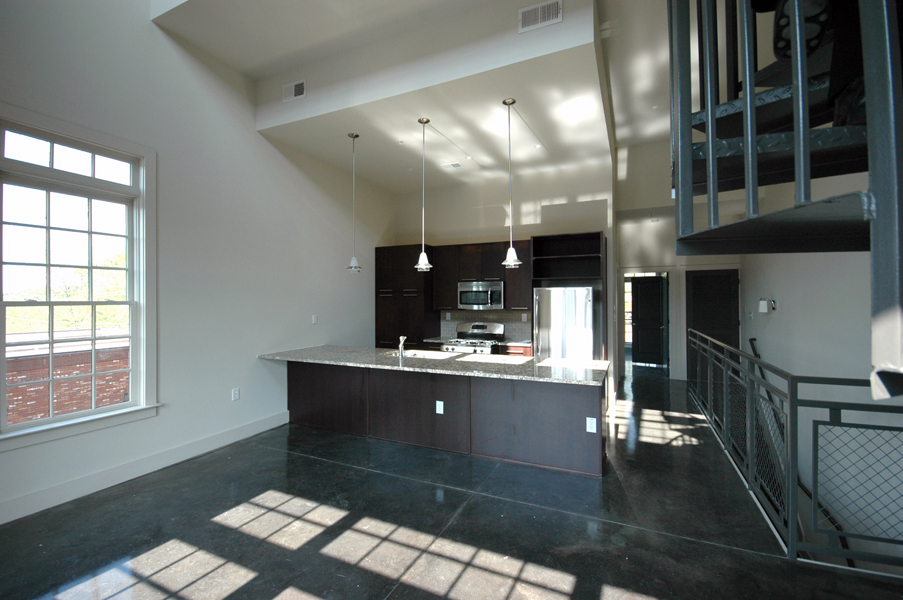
(403, 409)
(469, 262)
(492, 256)
(538, 423)
(328, 397)
(519, 281)
(445, 278)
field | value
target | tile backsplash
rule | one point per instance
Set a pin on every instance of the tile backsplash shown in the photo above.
(515, 327)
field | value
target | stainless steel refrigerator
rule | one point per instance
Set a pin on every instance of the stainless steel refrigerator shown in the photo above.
(563, 324)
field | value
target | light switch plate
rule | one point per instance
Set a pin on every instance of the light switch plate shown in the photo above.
(590, 425)
(440, 407)
(236, 394)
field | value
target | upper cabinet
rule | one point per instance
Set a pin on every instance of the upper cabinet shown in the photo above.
(570, 256)
(445, 277)
(481, 262)
(404, 297)
(519, 281)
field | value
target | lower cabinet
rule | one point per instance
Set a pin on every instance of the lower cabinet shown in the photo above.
(538, 423)
(329, 397)
(403, 408)
(531, 422)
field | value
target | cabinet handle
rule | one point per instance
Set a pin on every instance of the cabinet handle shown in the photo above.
(409, 295)
(519, 308)
(492, 279)
(388, 290)
(409, 290)
(512, 351)
(444, 308)
(385, 295)
(468, 280)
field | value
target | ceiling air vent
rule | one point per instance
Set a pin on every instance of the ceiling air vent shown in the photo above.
(539, 15)
(293, 91)
(454, 165)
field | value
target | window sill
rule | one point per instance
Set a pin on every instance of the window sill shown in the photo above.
(54, 431)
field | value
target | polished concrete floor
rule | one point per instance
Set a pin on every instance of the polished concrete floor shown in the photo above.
(301, 514)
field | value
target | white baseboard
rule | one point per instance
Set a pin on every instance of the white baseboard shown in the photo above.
(22, 506)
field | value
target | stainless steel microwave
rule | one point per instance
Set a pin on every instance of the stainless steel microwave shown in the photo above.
(481, 295)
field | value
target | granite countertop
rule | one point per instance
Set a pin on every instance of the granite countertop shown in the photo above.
(498, 366)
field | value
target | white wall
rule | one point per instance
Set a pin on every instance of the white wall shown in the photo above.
(251, 241)
(822, 325)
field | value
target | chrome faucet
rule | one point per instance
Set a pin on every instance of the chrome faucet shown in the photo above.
(401, 340)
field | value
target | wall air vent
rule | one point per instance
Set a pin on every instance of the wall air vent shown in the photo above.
(454, 165)
(295, 90)
(539, 15)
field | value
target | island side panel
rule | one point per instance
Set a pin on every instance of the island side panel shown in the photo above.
(331, 397)
(403, 409)
(538, 423)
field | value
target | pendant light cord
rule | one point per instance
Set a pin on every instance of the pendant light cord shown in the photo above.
(353, 229)
(423, 197)
(510, 201)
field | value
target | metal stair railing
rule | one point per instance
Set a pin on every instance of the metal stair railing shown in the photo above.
(854, 463)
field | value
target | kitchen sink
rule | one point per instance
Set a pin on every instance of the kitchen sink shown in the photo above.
(431, 354)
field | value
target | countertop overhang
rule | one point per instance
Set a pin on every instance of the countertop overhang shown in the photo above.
(449, 363)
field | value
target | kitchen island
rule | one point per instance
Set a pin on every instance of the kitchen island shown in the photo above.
(513, 408)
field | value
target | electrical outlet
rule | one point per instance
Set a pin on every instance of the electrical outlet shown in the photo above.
(590, 425)
(313, 319)
(523, 317)
(236, 394)
(448, 316)
(440, 407)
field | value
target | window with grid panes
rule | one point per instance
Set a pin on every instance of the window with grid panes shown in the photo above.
(70, 280)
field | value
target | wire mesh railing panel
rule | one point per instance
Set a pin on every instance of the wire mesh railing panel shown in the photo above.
(860, 479)
(736, 429)
(702, 380)
(718, 392)
(770, 470)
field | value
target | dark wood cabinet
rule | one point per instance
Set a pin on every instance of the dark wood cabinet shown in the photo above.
(445, 277)
(329, 397)
(403, 408)
(470, 262)
(404, 298)
(519, 281)
(538, 423)
(482, 262)
(492, 255)
(516, 350)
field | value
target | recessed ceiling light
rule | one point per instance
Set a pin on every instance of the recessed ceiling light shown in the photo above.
(401, 141)
(468, 157)
(537, 145)
(655, 107)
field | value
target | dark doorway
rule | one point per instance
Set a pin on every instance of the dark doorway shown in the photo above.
(650, 320)
(713, 308)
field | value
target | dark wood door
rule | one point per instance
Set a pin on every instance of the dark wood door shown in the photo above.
(469, 262)
(650, 320)
(445, 277)
(492, 256)
(519, 281)
(713, 308)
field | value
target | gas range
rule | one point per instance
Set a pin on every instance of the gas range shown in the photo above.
(476, 338)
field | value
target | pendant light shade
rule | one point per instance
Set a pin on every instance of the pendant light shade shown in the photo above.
(354, 267)
(511, 261)
(423, 264)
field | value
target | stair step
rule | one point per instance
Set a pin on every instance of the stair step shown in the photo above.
(774, 111)
(834, 151)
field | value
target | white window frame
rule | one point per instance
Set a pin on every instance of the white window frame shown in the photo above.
(143, 399)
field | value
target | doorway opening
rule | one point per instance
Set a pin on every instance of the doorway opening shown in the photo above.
(646, 336)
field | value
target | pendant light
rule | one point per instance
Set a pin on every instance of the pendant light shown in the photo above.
(423, 264)
(511, 261)
(354, 267)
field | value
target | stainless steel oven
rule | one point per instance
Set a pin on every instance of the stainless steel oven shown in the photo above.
(481, 295)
